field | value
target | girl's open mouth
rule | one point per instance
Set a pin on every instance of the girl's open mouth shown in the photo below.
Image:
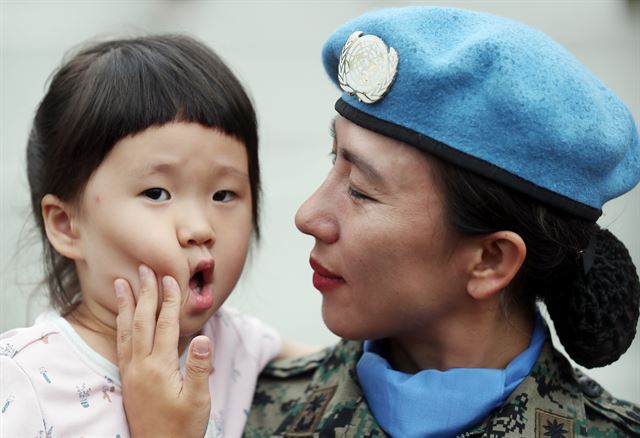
(201, 285)
(202, 276)
(196, 282)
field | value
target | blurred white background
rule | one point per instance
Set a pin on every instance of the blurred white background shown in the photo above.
(274, 47)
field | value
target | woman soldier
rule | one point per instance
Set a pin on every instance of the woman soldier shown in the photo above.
(472, 157)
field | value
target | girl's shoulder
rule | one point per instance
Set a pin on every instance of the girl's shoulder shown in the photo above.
(51, 382)
(21, 340)
(230, 322)
(237, 334)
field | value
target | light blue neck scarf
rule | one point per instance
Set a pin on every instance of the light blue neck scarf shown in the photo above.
(436, 403)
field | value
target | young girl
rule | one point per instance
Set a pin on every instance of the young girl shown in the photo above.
(142, 159)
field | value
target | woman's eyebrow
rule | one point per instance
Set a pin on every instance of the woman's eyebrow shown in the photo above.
(362, 165)
(353, 158)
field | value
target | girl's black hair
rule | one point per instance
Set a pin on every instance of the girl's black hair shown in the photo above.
(583, 274)
(113, 89)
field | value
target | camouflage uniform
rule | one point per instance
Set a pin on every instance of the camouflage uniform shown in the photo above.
(319, 396)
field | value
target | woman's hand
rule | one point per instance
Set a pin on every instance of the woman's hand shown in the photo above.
(157, 399)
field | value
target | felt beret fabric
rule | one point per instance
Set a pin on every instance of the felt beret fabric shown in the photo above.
(501, 99)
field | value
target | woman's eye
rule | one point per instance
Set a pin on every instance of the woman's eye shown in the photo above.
(224, 196)
(333, 157)
(358, 196)
(157, 194)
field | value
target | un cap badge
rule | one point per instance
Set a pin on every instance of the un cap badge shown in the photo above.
(367, 67)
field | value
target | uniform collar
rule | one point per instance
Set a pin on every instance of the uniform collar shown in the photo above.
(546, 404)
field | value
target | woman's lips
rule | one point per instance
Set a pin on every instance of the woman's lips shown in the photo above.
(323, 279)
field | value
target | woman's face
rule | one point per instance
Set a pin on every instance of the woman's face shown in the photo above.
(384, 258)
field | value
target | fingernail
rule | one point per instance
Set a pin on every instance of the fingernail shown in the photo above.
(119, 287)
(144, 272)
(200, 346)
(167, 284)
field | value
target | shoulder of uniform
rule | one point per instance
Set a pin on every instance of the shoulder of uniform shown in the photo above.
(293, 395)
(558, 400)
(605, 411)
(293, 367)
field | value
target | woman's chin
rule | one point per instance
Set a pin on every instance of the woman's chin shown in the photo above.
(344, 327)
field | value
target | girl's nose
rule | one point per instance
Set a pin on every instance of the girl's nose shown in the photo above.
(317, 216)
(195, 230)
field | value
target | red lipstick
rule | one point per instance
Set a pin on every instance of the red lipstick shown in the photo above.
(323, 279)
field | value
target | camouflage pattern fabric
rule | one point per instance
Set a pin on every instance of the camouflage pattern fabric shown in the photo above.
(319, 396)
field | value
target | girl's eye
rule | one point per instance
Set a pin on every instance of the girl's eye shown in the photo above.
(157, 194)
(333, 157)
(224, 196)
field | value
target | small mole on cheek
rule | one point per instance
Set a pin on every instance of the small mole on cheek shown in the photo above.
(97, 199)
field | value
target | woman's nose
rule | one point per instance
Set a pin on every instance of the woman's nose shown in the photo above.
(317, 217)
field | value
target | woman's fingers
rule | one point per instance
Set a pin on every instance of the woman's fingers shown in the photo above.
(124, 320)
(168, 327)
(159, 401)
(144, 318)
(196, 378)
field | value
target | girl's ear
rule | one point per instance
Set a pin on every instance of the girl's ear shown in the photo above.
(498, 258)
(59, 223)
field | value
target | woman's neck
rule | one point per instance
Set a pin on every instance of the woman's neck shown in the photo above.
(478, 340)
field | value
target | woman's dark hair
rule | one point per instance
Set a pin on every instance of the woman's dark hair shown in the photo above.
(583, 274)
(113, 89)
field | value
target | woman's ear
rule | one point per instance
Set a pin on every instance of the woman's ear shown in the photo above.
(498, 258)
(59, 223)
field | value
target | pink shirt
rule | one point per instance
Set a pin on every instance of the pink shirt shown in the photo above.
(52, 384)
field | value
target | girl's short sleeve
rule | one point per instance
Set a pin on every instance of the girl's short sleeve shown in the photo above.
(242, 346)
(20, 413)
(259, 340)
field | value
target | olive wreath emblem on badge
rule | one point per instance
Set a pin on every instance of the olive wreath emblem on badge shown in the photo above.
(367, 67)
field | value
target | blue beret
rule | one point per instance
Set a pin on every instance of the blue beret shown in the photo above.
(490, 95)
